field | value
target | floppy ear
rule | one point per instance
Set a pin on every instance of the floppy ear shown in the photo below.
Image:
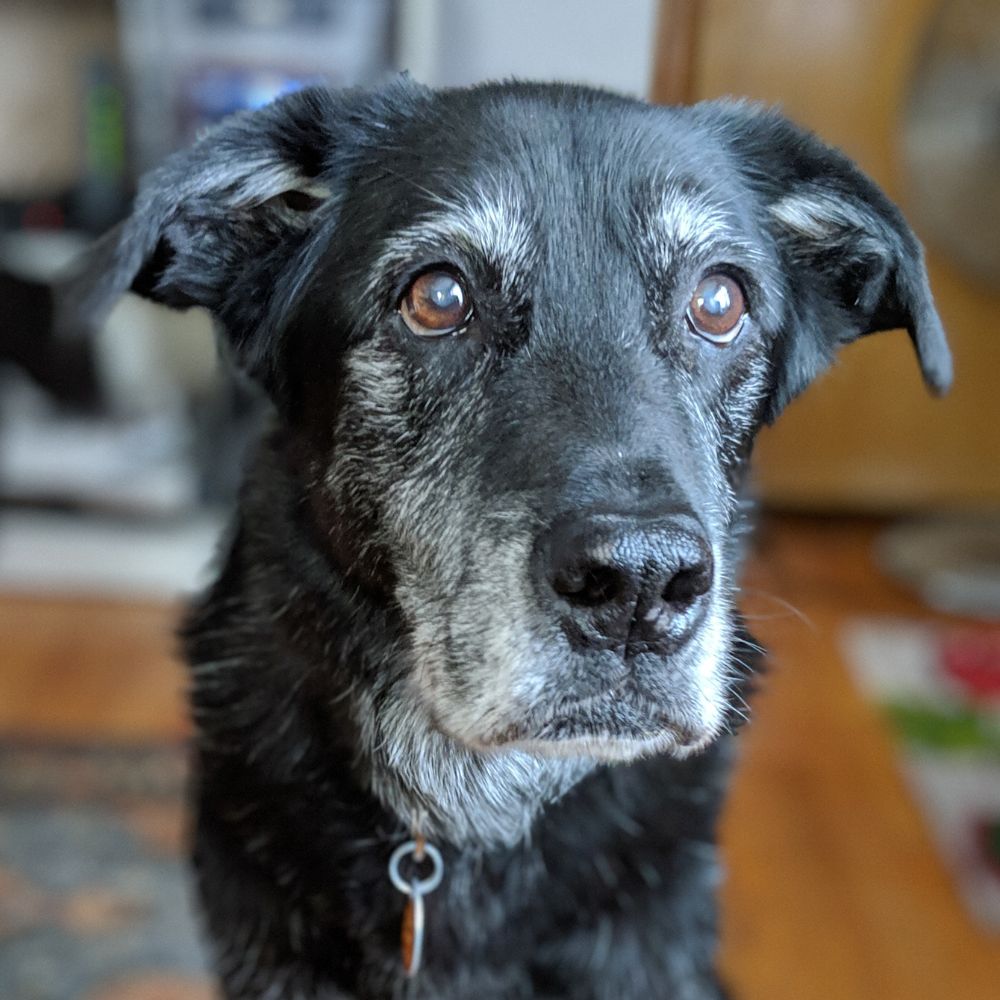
(852, 264)
(228, 223)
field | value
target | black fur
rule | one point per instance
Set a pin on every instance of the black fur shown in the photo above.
(376, 544)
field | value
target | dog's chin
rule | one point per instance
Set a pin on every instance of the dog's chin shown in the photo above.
(612, 748)
(610, 732)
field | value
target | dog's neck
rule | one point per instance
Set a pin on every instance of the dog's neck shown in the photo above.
(455, 794)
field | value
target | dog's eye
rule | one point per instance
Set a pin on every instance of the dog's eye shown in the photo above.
(435, 304)
(717, 309)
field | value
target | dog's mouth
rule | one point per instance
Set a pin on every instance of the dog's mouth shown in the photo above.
(621, 723)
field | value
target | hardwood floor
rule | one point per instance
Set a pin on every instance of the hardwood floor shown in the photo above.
(78, 668)
(833, 889)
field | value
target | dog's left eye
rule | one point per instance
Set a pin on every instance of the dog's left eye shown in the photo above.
(436, 304)
(717, 309)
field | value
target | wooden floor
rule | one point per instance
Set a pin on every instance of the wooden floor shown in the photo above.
(834, 891)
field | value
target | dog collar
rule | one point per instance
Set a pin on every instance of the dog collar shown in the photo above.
(412, 932)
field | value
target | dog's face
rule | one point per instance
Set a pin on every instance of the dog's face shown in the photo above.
(525, 336)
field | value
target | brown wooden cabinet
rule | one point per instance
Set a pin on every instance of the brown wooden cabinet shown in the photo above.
(866, 436)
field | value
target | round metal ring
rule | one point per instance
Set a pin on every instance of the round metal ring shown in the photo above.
(420, 886)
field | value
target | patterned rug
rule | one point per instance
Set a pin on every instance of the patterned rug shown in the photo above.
(95, 896)
(939, 691)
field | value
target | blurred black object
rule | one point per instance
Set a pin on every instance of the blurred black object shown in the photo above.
(62, 365)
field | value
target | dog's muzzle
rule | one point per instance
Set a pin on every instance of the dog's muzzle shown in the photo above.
(632, 583)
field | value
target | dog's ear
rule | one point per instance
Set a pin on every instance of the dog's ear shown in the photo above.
(852, 264)
(228, 224)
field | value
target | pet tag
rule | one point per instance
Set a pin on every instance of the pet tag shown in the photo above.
(412, 935)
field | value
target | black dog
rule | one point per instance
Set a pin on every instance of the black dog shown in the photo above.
(481, 585)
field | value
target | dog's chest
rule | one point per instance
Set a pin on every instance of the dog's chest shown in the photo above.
(627, 854)
(620, 852)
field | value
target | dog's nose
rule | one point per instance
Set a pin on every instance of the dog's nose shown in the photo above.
(623, 579)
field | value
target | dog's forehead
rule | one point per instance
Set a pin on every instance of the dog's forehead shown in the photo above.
(502, 169)
(549, 132)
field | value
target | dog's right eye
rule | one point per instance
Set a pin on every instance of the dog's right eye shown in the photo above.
(717, 309)
(436, 304)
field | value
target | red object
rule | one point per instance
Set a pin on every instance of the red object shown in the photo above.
(973, 659)
(988, 841)
(42, 215)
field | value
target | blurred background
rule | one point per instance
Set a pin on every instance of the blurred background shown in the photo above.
(863, 835)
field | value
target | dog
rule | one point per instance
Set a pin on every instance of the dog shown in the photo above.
(477, 611)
